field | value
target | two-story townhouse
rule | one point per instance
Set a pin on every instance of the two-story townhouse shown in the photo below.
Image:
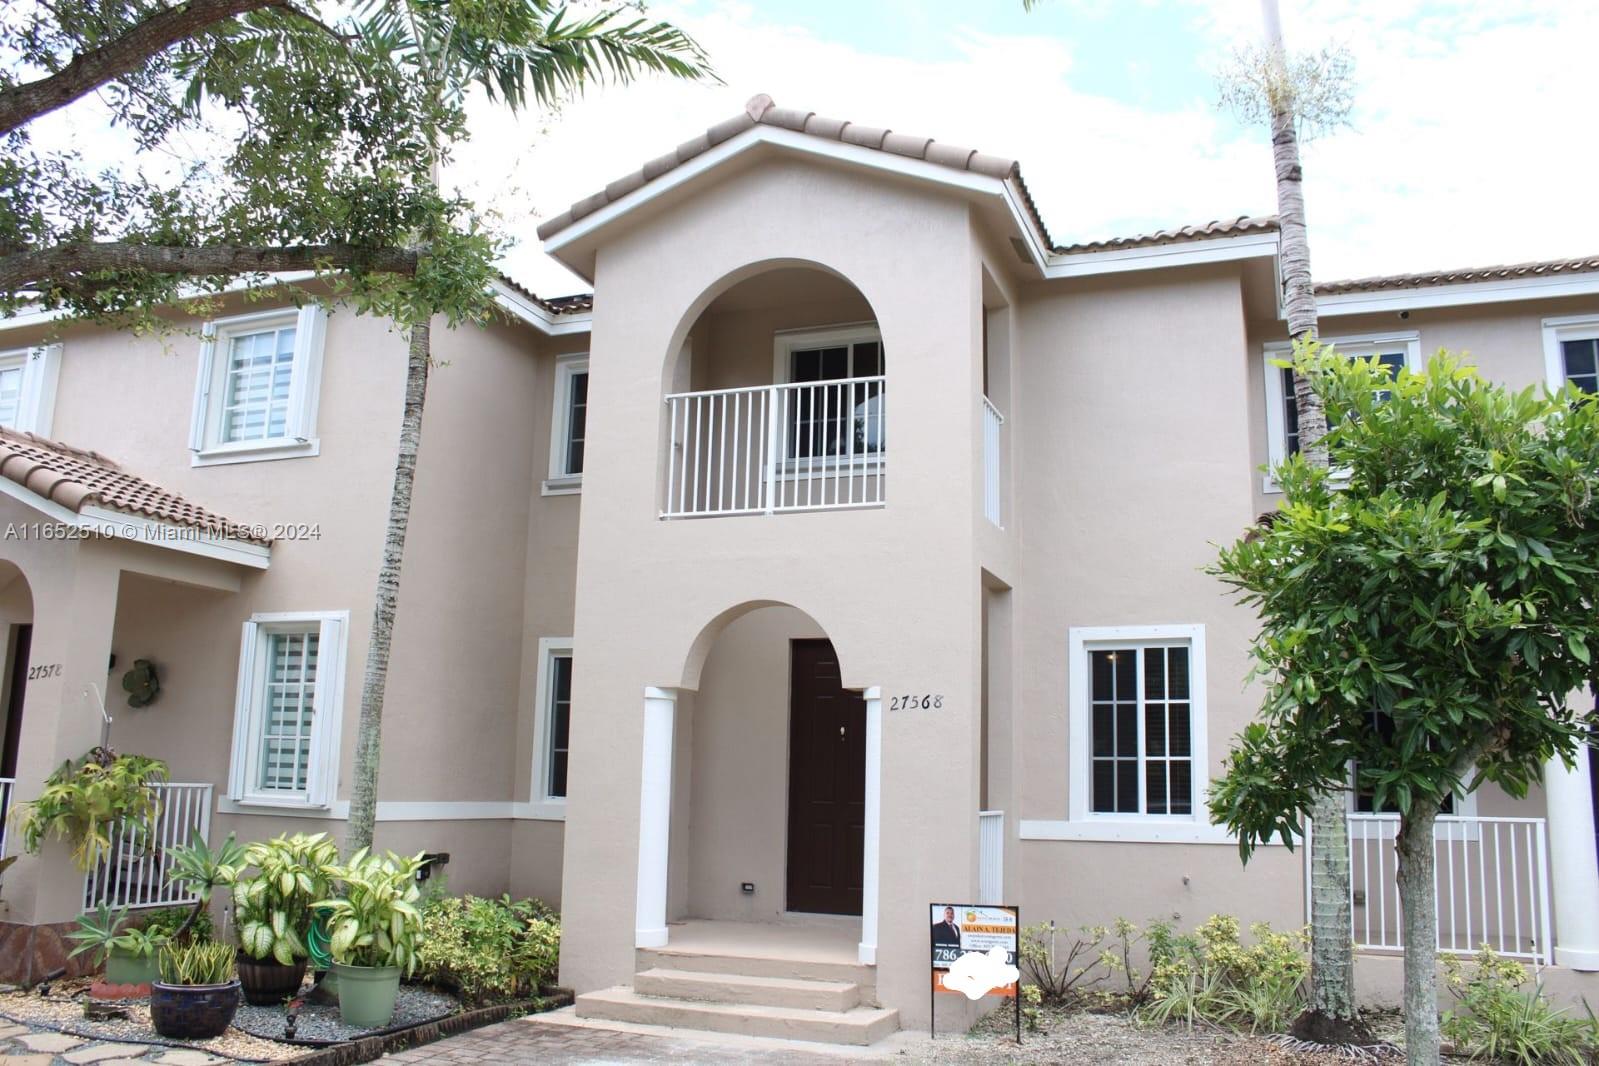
(788, 686)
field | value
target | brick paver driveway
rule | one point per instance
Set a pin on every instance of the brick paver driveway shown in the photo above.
(523, 1041)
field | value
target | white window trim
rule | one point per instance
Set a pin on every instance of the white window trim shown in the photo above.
(541, 804)
(301, 439)
(36, 401)
(560, 483)
(1564, 328)
(784, 344)
(1355, 346)
(1080, 641)
(322, 774)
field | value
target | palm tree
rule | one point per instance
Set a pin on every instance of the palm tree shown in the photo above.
(521, 53)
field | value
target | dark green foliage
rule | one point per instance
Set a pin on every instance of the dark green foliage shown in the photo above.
(489, 949)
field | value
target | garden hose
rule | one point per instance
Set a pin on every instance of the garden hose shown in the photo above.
(317, 940)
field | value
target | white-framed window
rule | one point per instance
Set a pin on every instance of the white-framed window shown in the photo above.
(288, 709)
(552, 727)
(1571, 352)
(841, 421)
(28, 379)
(255, 395)
(569, 425)
(1137, 729)
(1392, 350)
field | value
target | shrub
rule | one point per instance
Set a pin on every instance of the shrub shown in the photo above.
(84, 800)
(489, 949)
(166, 922)
(1498, 1020)
(1210, 976)
(273, 906)
(374, 920)
(1085, 961)
(202, 962)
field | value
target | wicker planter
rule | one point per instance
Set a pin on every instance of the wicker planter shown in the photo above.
(267, 982)
(193, 1012)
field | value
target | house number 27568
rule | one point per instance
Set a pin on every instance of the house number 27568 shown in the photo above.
(927, 701)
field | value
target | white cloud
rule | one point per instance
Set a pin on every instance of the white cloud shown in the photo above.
(1469, 147)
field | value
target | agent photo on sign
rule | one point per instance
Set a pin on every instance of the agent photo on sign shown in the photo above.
(946, 933)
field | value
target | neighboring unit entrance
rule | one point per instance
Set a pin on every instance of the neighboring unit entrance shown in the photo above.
(826, 784)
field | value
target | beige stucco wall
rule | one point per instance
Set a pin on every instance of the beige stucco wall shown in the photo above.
(647, 589)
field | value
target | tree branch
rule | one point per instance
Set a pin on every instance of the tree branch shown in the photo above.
(67, 265)
(21, 104)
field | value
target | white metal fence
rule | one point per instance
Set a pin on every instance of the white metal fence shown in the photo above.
(991, 858)
(8, 788)
(809, 446)
(992, 423)
(134, 872)
(1491, 885)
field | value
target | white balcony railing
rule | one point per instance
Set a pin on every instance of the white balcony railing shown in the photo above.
(991, 858)
(8, 787)
(992, 421)
(134, 872)
(809, 446)
(1491, 885)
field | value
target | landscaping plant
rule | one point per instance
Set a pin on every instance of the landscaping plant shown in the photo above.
(85, 799)
(374, 920)
(103, 931)
(489, 949)
(273, 905)
(200, 962)
(1088, 959)
(1498, 1019)
(1424, 617)
(1210, 976)
(202, 870)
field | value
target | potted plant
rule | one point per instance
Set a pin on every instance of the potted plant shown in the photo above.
(83, 801)
(129, 953)
(201, 869)
(374, 930)
(198, 994)
(273, 910)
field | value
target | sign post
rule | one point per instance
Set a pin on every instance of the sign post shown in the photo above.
(974, 952)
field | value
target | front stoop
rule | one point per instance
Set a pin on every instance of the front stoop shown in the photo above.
(747, 996)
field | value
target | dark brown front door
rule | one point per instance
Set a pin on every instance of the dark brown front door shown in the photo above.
(11, 738)
(826, 784)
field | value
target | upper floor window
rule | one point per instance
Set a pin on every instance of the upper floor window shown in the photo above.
(256, 393)
(569, 425)
(1571, 352)
(838, 420)
(1395, 351)
(28, 388)
(287, 711)
(1137, 727)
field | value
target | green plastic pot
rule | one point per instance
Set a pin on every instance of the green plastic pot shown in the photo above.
(366, 994)
(123, 968)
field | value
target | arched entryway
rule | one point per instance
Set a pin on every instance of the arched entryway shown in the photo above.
(761, 784)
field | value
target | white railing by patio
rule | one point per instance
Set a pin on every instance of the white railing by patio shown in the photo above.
(810, 446)
(134, 873)
(992, 423)
(1491, 885)
(991, 858)
(8, 787)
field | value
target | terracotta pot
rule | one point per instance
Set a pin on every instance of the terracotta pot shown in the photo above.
(267, 982)
(193, 1012)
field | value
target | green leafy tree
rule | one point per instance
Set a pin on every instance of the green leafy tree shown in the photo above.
(275, 135)
(1423, 621)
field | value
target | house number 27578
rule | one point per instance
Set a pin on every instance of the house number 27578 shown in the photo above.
(927, 701)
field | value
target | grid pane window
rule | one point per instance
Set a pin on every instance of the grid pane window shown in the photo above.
(1582, 363)
(1393, 361)
(255, 390)
(288, 709)
(1142, 730)
(560, 722)
(10, 394)
(824, 421)
(577, 410)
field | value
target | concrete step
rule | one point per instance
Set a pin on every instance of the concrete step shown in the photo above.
(800, 993)
(669, 958)
(857, 1026)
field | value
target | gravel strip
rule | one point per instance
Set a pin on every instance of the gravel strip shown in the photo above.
(62, 1011)
(413, 1006)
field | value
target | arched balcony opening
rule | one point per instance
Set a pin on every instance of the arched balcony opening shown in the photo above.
(777, 400)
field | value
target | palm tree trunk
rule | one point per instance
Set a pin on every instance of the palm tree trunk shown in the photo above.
(1415, 847)
(369, 738)
(1330, 1017)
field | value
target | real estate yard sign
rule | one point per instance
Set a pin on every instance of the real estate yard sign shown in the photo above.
(974, 952)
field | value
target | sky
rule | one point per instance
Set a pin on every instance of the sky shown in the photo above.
(1472, 138)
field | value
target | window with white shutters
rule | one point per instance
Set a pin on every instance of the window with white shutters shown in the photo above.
(257, 387)
(290, 701)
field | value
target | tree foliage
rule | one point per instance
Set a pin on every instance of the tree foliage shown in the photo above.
(1426, 607)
